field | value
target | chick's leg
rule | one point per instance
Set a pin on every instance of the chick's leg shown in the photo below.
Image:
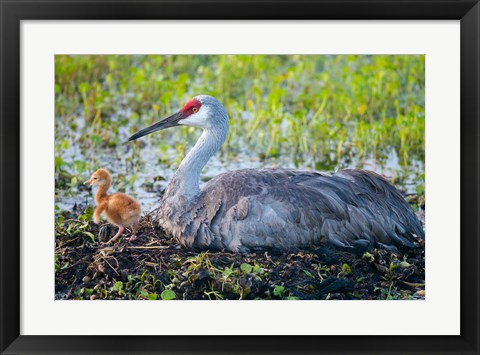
(96, 216)
(134, 233)
(98, 211)
(121, 229)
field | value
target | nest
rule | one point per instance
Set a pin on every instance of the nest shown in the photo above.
(156, 267)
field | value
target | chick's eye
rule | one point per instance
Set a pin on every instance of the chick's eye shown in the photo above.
(195, 109)
(94, 178)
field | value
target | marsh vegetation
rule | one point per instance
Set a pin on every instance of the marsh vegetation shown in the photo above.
(309, 112)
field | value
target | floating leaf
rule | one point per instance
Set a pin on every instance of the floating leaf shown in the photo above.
(58, 162)
(83, 87)
(87, 214)
(258, 269)
(369, 257)
(346, 269)
(246, 268)
(227, 272)
(168, 295)
(278, 290)
(153, 296)
(92, 237)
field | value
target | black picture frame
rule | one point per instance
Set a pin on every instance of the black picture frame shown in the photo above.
(14, 11)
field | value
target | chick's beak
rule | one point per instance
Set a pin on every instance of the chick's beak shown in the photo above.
(88, 182)
(170, 121)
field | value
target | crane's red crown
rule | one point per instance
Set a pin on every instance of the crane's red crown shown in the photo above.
(192, 106)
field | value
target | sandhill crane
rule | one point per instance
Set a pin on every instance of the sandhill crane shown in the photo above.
(257, 209)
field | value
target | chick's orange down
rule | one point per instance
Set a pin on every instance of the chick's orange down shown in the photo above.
(119, 208)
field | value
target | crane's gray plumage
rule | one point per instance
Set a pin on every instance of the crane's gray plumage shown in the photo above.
(254, 209)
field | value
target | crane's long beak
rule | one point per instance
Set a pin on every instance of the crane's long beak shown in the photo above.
(170, 121)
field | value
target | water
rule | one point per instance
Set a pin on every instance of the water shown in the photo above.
(144, 172)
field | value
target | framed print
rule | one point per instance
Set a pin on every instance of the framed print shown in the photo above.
(236, 177)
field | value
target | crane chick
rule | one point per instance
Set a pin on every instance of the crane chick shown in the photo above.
(120, 209)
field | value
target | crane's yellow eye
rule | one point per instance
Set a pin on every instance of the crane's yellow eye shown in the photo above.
(195, 109)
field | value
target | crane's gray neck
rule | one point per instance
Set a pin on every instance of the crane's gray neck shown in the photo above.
(186, 180)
